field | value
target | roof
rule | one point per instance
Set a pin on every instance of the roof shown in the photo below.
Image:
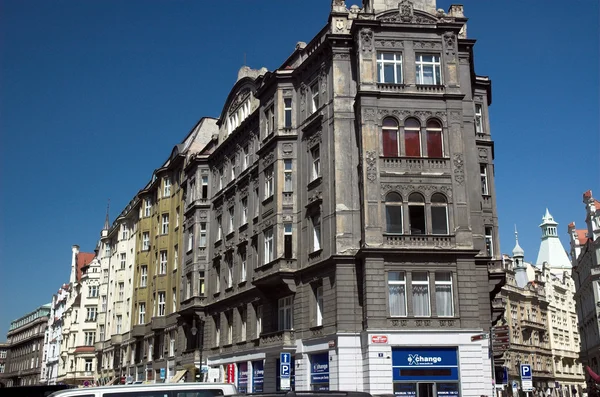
(582, 236)
(597, 204)
(83, 259)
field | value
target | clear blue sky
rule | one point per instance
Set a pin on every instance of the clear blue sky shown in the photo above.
(94, 94)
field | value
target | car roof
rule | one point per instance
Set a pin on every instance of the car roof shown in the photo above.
(116, 388)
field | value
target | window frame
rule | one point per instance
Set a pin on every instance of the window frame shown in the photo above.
(415, 204)
(269, 246)
(167, 187)
(401, 282)
(203, 235)
(161, 304)
(287, 112)
(489, 240)
(397, 67)
(147, 207)
(479, 129)
(436, 68)
(142, 313)
(285, 313)
(393, 204)
(146, 241)
(143, 276)
(163, 262)
(315, 158)
(314, 97)
(434, 216)
(425, 283)
(430, 131)
(444, 283)
(316, 227)
(165, 224)
(483, 172)
(231, 224)
(319, 305)
(269, 182)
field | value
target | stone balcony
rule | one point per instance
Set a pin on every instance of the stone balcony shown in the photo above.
(276, 277)
(535, 324)
(413, 164)
(420, 241)
(116, 339)
(278, 340)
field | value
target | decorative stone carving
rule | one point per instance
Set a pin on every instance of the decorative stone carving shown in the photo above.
(239, 98)
(287, 149)
(455, 116)
(268, 159)
(371, 160)
(287, 92)
(268, 222)
(389, 43)
(447, 190)
(203, 215)
(341, 56)
(366, 40)
(427, 45)
(340, 25)
(340, 3)
(313, 140)
(423, 323)
(287, 218)
(399, 323)
(405, 11)
(368, 114)
(423, 115)
(459, 172)
(483, 154)
(450, 41)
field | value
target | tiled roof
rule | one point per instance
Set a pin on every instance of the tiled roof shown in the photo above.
(83, 258)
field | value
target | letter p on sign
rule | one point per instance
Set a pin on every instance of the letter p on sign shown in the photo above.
(526, 371)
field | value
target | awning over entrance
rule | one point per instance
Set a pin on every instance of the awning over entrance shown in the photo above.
(178, 376)
(594, 375)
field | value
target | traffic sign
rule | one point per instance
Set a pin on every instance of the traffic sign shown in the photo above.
(479, 337)
(285, 370)
(527, 385)
(526, 372)
(285, 358)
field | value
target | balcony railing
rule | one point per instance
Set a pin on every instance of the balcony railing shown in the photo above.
(281, 265)
(420, 241)
(281, 339)
(533, 324)
(414, 164)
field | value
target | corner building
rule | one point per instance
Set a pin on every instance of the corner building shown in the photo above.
(352, 219)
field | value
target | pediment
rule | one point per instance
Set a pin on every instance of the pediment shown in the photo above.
(407, 15)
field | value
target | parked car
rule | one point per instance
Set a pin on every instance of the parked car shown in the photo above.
(154, 390)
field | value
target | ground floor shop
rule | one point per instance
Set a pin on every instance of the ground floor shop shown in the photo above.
(409, 364)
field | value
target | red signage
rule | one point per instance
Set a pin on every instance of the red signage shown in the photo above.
(230, 373)
(379, 339)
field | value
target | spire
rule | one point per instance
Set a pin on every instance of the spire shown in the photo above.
(548, 226)
(104, 232)
(518, 251)
(551, 250)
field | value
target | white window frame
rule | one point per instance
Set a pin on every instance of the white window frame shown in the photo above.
(123, 260)
(315, 155)
(445, 283)
(401, 281)
(285, 313)
(243, 265)
(269, 245)
(221, 178)
(489, 241)
(93, 291)
(396, 62)
(244, 219)
(229, 272)
(90, 338)
(174, 301)
(319, 305)
(202, 242)
(167, 187)
(171, 343)
(479, 118)
(485, 187)
(175, 256)
(104, 302)
(144, 276)
(217, 321)
(269, 121)
(314, 97)
(229, 319)
(163, 261)
(288, 181)
(204, 184)
(142, 313)
(121, 290)
(125, 230)
(422, 283)
(245, 157)
(145, 241)
(316, 232)
(269, 183)
(232, 168)
(219, 228)
(231, 212)
(165, 224)
(119, 324)
(162, 303)
(243, 323)
(190, 244)
(436, 66)
(147, 207)
(287, 112)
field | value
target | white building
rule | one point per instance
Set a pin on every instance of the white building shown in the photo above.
(585, 256)
(53, 338)
(79, 321)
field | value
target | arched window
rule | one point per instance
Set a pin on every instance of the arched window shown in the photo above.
(393, 213)
(389, 130)
(434, 139)
(439, 214)
(412, 137)
(416, 213)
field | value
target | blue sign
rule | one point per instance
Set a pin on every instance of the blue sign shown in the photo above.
(285, 371)
(405, 389)
(526, 372)
(447, 390)
(258, 376)
(319, 371)
(243, 377)
(162, 373)
(285, 358)
(424, 364)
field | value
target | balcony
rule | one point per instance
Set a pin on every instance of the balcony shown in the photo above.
(535, 324)
(413, 164)
(278, 340)
(288, 199)
(433, 89)
(193, 303)
(420, 241)
(138, 331)
(116, 339)
(276, 277)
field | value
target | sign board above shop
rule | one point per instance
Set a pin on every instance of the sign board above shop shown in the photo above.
(379, 339)
(425, 364)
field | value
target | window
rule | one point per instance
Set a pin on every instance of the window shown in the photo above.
(484, 180)
(190, 244)
(91, 313)
(162, 303)
(319, 305)
(147, 206)
(174, 301)
(167, 187)
(229, 319)
(232, 168)
(389, 131)
(444, 300)
(217, 322)
(316, 163)
(221, 178)
(420, 294)
(219, 228)
(285, 313)
(142, 313)
(121, 291)
(269, 187)
(165, 223)
(397, 294)
(434, 139)
(171, 343)
(125, 232)
(204, 186)
(119, 324)
(101, 332)
(478, 119)
(229, 262)
(314, 94)
(489, 241)
(93, 291)
(268, 234)
(412, 138)
(439, 214)
(245, 157)
(144, 276)
(316, 228)
(163, 262)
(416, 213)
(287, 176)
(243, 321)
(145, 241)
(428, 69)
(231, 219)
(243, 265)
(202, 234)
(106, 250)
(256, 202)
(287, 240)
(123, 257)
(269, 121)
(287, 112)
(201, 284)
(192, 189)
(177, 217)
(103, 304)
(175, 256)
(244, 219)
(389, 67)
(393, 213)
(90, 338)
(217, 278)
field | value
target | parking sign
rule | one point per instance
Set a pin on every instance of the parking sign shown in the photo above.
(285, 370)
(526, 372)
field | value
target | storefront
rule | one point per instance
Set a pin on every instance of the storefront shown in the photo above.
(425, 372)
(258, 376)
(242, 379)
(319, 372)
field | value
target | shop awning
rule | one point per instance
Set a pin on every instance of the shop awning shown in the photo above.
(178, 376)
(594, 375)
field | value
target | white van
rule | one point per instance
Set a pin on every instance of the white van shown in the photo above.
(153, 390)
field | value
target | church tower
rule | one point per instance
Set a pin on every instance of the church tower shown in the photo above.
(551, 250)
(519, 266)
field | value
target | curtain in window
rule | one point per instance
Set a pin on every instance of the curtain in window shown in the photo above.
(443, 299)
(434, 139)
(397, 296)
(420, 300)
(390, 137)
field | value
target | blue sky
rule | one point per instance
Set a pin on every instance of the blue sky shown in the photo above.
(94, 94)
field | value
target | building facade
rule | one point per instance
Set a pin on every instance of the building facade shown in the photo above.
(25, 342)
(349, 217)
(585, 256)
(54, 337)
(3, 355)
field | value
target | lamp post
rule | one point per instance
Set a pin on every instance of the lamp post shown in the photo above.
(198, 351)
